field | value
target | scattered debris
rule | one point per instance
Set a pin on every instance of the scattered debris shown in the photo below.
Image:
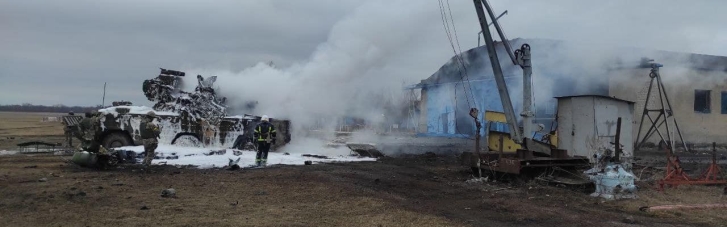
(233, 164)
(500, 189)
(144, 207)
(31, 167)
(694, 206)
(365, 149)
(629, 220)
(261, 193)
(169, 193)
(217, 152)
(99, 187)
(235, 203)
(315, 156)
(81, 193)
(43, 179)
(308, 163)
(612, 179)
(477, 180)
(286, 153)
(117, 184)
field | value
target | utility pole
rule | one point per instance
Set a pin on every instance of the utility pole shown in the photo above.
(523, 58)
(480, 33)
(497, 71)
(103, 99)
(520, 57)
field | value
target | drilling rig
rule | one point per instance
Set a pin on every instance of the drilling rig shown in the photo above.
(534, 158)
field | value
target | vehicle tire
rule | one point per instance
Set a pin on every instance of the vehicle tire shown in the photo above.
(116, 139)
(187, 141)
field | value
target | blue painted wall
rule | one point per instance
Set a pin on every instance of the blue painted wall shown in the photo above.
(441, 100)
(553, 75)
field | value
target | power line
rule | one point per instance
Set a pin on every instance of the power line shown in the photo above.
(453, 27)
(459, 59)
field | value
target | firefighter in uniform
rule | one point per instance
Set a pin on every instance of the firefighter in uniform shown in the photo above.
(264, 136)
(149, 134)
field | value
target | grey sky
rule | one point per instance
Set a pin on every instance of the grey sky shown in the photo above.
(55, 52)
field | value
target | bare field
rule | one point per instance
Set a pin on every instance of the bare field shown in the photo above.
(411, 191)
(20, 127)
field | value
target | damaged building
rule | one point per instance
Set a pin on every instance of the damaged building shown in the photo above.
(696, 85)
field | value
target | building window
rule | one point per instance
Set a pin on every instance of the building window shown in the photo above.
(724, 102)
(702, 101)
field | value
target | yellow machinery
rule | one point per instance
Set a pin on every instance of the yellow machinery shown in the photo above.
(500, 140)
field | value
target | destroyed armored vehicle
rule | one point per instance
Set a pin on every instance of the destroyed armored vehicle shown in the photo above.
(188, 118)
(191, 118)
(120, 127)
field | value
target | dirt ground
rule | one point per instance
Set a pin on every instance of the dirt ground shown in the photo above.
(20, 127)
(46, 190)
(410, 191)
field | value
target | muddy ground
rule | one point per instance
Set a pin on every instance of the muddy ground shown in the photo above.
(45, 190)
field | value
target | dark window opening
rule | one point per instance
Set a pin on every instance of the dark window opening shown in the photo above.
(724, 102)
(702, 101)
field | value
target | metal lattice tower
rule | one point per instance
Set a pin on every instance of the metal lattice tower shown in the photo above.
(659, 113)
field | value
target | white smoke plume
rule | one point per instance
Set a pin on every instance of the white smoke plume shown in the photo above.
(367, 57)
(357, 72)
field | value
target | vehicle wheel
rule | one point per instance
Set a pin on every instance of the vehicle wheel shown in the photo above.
(187, 141)
(114, 140)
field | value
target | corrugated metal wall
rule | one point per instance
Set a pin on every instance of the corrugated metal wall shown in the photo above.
(587, 124)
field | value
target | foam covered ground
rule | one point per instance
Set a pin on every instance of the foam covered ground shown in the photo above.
(220, 157)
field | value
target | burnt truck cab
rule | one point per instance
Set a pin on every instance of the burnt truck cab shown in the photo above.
(120, 127)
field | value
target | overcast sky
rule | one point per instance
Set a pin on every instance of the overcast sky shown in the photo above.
(61, 52)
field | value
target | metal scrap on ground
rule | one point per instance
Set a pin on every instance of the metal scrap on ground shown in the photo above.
(365, 149)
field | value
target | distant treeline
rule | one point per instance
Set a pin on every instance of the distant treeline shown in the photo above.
(27, 107)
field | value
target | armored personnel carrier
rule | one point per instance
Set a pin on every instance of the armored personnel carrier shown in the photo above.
(120, 127)
(189, 118)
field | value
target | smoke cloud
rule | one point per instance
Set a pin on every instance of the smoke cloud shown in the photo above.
(358, 71)
(369, 54)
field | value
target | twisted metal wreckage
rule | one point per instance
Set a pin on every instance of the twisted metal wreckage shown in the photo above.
(189, 118)
(203, 103)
